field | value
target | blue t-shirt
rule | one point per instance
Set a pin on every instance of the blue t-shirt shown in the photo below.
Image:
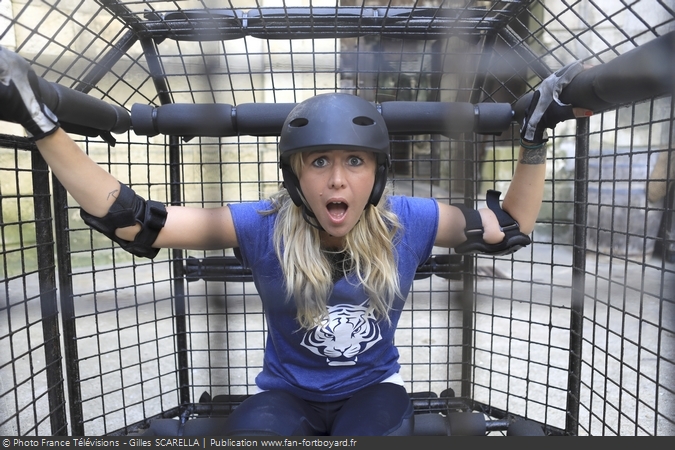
(350, 349)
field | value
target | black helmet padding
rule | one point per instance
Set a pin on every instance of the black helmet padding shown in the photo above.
(334, 122)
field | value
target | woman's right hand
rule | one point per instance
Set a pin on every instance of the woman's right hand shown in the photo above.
(20, 98)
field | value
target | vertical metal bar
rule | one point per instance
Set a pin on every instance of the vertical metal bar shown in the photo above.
(179, 279)
(64, 272)
(65, 268)
(437, 59)
(578, 276)
(156, 70)
(70, 352)
(158, 76)
(44, 239)
(467, 325)
(468, 292)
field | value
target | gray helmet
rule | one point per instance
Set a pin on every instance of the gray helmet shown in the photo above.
(334, 122)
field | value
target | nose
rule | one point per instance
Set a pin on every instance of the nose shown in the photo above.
(337, 179)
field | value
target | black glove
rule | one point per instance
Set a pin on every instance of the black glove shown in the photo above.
(20, 98)
(546, 110)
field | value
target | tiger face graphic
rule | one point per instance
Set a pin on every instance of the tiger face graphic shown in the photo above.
(348, 331)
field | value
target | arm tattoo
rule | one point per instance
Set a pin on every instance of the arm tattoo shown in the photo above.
(112, 194)
(534, 156)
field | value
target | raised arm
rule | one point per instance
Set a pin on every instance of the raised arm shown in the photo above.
(96, 191)
(92, 187)
(138, 225)
(502, 229)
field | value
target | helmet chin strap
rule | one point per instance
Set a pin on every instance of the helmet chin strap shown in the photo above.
(307, 214)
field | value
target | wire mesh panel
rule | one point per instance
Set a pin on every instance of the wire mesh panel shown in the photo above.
(574, 332)
(31, 380)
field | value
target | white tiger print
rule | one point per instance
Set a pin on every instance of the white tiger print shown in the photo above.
(348, 331)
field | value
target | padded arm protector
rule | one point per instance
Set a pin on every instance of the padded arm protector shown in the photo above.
(130, 209)
(513, 239)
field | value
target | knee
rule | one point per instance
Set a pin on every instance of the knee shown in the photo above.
(380, 410)
(271, 413)
(406, 426)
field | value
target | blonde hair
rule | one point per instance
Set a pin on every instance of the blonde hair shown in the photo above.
(308, 271)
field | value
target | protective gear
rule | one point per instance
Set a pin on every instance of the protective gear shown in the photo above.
(513, 239)
(546, 110)
(334, 122)
(128, 210)
(21, 99)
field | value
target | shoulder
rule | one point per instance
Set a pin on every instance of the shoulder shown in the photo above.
(418, 217)
(419, 221)
(250, 218)
(414, 210)
(248, 211)
(254, 226)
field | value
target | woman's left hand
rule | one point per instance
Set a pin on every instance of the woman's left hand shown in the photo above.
(546, 110)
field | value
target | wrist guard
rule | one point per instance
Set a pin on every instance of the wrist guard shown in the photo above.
(130, 209)
(513, 238)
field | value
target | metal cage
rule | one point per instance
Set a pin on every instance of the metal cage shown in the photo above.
(574, 333)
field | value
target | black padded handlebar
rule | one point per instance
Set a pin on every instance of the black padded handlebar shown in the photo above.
(217, 120)
(77, 108)
(645, 72)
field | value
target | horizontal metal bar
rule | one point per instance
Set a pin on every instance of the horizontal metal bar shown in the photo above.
(229, 268)
(320, 22)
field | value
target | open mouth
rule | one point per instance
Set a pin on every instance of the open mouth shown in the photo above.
(337, 210)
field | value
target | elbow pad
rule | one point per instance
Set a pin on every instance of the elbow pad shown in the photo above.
(130, 209)
(513, 238)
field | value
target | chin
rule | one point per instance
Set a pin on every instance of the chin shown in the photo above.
(338, 232)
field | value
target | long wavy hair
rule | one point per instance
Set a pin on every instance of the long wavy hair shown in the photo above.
(369, 254)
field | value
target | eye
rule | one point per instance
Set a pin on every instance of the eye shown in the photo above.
(320, 162)
(355, 161)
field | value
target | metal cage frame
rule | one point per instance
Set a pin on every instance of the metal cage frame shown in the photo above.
(574, 333)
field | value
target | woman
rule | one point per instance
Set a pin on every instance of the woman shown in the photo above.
(332, 255)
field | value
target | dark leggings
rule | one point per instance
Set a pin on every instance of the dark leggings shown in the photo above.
(379, 410)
